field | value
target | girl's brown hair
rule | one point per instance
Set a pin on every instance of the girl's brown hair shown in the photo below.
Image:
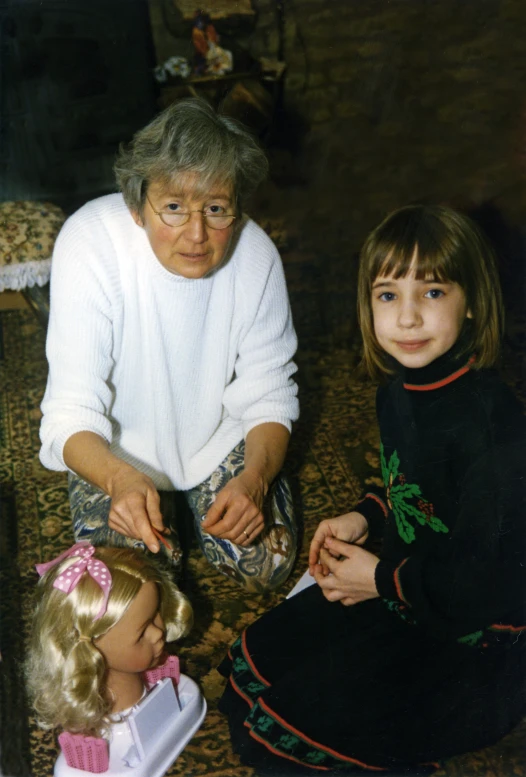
(449, 247)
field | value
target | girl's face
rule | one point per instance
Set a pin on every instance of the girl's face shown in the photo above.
(416, 321)
(136, 642)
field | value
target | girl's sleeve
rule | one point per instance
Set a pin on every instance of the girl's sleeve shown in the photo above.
(79, 345)
(374, 509)
(373, 502)
(476, 578)
(263, 389)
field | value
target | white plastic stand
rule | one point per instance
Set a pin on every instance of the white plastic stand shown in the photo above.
(169, 744)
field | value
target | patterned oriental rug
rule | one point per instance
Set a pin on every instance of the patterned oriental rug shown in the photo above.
(333, 455)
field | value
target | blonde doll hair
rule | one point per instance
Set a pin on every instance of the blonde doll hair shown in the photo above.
(65, 672)
(449, 247)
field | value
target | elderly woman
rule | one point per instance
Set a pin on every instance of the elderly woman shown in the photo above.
(170, 350)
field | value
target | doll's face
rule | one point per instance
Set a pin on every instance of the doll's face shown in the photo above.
(136, 642)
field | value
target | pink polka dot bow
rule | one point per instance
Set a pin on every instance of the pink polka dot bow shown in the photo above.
(69, 578)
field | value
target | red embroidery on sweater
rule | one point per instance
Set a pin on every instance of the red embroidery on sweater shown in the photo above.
(280, 753)
(504, 627)
(238, 690)
(377, 499)
(443, 382)
(244, 648)
(397, 582)
(318, 745)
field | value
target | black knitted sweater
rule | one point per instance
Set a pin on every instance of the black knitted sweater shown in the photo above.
(452, 513)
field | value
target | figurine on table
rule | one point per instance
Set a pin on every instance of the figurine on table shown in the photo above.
(97, 651)
(209, 57)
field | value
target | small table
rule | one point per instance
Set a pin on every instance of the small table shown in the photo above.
(28, 231)
(250, 96)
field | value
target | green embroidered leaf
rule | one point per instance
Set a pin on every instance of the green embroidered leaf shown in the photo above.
(421, 517)
(399, 495)
(254, 688)
(239, 665)
(405, 530)
(288, 742)
(314, 757)
(406, 490)
(408, 508)
(437, 525)
(471, 639)
(426, 520)
(264, 723)
(394, 463)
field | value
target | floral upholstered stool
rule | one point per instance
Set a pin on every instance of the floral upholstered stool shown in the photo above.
(28, 231)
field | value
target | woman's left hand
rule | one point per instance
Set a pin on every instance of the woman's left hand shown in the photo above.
(236, 514)
(351, 577)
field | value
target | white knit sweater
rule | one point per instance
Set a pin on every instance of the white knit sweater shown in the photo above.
(172, 372)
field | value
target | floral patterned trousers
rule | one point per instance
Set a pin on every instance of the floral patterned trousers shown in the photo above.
(262, 566)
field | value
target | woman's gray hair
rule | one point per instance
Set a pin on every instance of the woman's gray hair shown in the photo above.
(190, 137)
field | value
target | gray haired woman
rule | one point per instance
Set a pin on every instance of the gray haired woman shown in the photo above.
(170, 349)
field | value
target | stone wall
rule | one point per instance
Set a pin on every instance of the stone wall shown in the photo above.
(70, 92)
(399, 101)
(408, 100)
(387, 102)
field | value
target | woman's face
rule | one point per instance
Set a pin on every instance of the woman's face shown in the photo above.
(192, 250)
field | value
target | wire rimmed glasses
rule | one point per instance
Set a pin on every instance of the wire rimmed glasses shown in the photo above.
(178, 219)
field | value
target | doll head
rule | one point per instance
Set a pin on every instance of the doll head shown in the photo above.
(433, 243)
(72, 630)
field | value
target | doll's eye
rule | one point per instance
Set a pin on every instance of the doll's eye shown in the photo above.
(143, 632)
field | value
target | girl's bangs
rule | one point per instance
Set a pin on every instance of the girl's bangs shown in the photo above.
(431, 260)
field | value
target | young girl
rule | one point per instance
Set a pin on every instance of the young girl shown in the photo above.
(100, 624)
(393, 662)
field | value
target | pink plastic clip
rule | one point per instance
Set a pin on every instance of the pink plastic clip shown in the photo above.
(88, 753)
(170, 668)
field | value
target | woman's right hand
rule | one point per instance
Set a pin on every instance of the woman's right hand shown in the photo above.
(351, 527)
(135, 506)
(134, 499)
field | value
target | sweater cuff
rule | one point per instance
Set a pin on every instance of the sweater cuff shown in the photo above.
(283, 420)
(387, 578)
(52, 451)
(375, 512)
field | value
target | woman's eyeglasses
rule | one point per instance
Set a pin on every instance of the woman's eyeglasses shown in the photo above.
(178, 219)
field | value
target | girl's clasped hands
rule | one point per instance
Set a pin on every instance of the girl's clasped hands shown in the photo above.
(341, 567)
